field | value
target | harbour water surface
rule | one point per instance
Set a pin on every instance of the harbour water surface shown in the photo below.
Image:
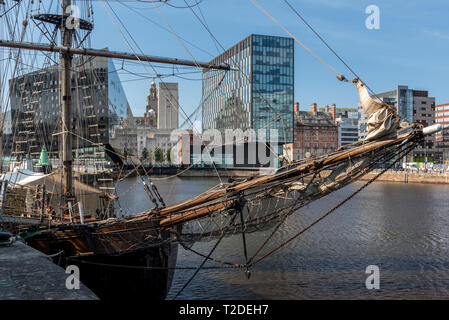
(401, 228)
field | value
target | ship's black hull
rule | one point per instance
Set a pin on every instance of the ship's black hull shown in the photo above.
(121, 260)
(141, 274)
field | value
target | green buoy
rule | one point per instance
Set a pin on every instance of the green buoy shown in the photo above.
(43, 160)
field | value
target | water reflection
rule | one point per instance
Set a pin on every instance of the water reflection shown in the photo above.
(402, 228)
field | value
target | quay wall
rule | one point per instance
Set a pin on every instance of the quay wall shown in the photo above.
(409, 177)
(389, 176)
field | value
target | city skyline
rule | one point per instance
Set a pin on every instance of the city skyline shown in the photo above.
(383, 58)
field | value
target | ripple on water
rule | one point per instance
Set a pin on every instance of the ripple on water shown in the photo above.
(402, 228)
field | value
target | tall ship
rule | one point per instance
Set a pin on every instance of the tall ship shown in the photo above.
(135, 254)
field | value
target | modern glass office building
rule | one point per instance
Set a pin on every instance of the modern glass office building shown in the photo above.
(257, 93)
(402, 99)
(415, 106)
(98, 103)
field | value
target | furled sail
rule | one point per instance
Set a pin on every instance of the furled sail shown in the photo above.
(382, 118)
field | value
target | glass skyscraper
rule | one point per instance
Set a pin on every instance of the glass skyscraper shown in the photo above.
(257, 93)
(98, 103)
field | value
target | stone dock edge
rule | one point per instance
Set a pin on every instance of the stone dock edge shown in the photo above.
(27, 274)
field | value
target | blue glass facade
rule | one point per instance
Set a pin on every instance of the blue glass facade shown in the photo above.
(98, 103)
(402, 99)
(117, 102)
(226, 95)
(405, 106)
(273, 85)
(259, 94)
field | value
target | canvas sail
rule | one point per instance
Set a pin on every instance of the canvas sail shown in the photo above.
(382, 118)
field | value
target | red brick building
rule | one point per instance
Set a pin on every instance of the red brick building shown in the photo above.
(314, 132)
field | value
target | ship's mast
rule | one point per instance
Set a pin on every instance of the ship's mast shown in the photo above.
(67, 52)
(66, 96)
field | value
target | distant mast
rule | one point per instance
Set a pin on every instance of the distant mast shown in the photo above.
(67, 23)
(66, 90)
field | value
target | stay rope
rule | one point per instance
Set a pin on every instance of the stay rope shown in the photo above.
(250, 263)
(408, 149)
(327, 66)
(327, 45)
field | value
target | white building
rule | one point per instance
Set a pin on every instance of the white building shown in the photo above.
(124, 138)
(348, 127)
(167, 106)
(152, 140)
(154, 129)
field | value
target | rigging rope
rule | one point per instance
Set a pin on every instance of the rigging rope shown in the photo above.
(248, 261)
(408, 150)
(327, 45)
(149, 267)
(163, 28)
(328, 67)
(386, 157)
(171, 98)
(239, 69)
(204, 261)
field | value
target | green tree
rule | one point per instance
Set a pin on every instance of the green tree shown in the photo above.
(158, 155)
(144, 155)
(150, 155)
(168, 155)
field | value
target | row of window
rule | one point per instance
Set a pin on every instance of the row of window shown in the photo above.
(316, 145)
(441, 108)
(441, 114)
(271, 41)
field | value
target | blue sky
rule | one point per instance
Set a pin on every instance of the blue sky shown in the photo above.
(410, 48)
